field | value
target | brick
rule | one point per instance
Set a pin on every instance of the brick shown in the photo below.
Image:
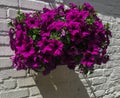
(117, 88)
(115, 74)
(109, 96)
(115, 56)
(107, 72)
(11, 13)
(34, 91)
(17, 73)
(4, 25)
(118, 19)
(38, 96)
(117, 95)
(5, 51)
(113, 63)
(18, 93)
(113, 49)
(5, 74)
(98, 80)
(1, 81)
(100, 93)
(116, 34)
(3, 13)
(25, 82)
(1, 88)
(4, 40)
(9, 84)
(13, 3)
(5, 63)
(3, 33)
(114, 42)
(59, 1)
(97, 73)
(34, 5)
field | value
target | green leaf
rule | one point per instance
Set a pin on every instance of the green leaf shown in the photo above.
(34, 37)
(90, 20)
(68, 40)
(80, 7)
(54, 36)
(21, 16)
(18, 12)
(106, 26)
(10, 24)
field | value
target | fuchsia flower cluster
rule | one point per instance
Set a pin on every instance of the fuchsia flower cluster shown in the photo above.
(59, 36)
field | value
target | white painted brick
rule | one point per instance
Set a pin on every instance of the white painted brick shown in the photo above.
(59, 1)
(4, 40)
(115, 74)
(1, 81)
(115, 56)
(31, 4)
(109, 96)
(13, 3)
(38, 96)
(97, 73)
(34, 91)
(98, 80)
(11, 13)
(114, 42)
(118, 19)
(18, 93)
(116, 34)
(3, 33)
(17, 73)
(24, 82)
(113, 49)
(113, 63)
(9, 84)
(5, 51)
(4, 25)
(117, 88)
(1, 88)
(5, 63)
(107, 72)
(3, 12)
(117, 95)
(100, 93)
(5, 74)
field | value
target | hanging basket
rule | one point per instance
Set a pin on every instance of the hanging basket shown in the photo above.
(48, 38)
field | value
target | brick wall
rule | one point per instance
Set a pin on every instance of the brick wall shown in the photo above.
(104, 83)
(13, 83)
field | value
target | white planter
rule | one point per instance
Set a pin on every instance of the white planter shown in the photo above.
(61, 83)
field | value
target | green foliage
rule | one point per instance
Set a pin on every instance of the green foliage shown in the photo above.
(34, 33)
(106, 26)
(55, 36)
(10, 24)
(21, 16)
(90, 19)
(80, 8)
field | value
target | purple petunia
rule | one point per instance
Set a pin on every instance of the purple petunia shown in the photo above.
(51, 37)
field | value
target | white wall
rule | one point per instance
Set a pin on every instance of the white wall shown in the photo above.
(105, 82)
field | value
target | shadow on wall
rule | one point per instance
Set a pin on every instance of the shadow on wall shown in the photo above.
(106, 7)
(61, 83)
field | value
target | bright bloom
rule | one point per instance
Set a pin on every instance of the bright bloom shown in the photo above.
(51, 37)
